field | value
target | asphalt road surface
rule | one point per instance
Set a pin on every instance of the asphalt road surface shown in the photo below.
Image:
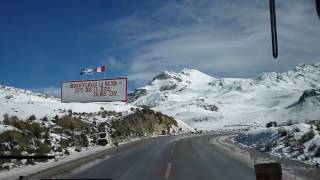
(171, 157)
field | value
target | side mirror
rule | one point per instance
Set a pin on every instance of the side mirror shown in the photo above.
(268, 171)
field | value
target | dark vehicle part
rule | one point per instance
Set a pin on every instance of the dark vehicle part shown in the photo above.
(273, 22)
(27, 157)
(318, 7)
(268, 171)
(26, 178)
(23, 178)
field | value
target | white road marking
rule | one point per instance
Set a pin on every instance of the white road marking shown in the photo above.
(168, 170)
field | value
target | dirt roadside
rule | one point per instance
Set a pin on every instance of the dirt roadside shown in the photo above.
(292, 170)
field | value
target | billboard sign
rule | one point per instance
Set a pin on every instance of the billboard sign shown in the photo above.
(100, 90)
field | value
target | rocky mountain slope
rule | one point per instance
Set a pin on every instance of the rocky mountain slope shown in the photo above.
(206, 102)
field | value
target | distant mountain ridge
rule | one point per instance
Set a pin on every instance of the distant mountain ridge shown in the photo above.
(238, 101)
(197, 99)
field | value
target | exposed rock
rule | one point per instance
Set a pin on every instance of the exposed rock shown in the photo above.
(162, 75)
(168, 87)
(10, 96)
(211, 107)
(309, 93)
(136, 94)
(141, 122)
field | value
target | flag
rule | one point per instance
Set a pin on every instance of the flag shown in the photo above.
(101, 69)
(86, 71)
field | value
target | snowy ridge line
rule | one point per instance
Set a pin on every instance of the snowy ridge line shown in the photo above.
(198, 100)
(209, 103)
(14, 90)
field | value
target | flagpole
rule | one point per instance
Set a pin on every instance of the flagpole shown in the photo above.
(82, 74)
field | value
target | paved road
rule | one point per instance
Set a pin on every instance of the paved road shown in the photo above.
(174, 157)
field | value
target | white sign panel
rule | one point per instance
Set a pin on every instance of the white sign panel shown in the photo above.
(101, 90)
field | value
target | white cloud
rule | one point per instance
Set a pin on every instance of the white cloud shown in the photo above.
(143, 76)
(224, 37)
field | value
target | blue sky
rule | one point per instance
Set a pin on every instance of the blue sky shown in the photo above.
(43, 42)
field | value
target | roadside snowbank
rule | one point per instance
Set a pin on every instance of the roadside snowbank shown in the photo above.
(298, 142)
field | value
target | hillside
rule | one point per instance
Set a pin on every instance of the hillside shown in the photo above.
(206, 102)
(23, 103)
(35, 124)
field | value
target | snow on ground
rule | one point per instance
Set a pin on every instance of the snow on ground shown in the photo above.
(23, 103)
(4, 128)
(197, 100)
(298, 141)
(189, 96)
(269, 97)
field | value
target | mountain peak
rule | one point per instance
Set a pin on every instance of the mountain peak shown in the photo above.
(195, 75)
(184, 73)
(189, 72)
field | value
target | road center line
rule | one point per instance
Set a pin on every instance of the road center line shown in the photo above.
(172, 151)
(168, 170)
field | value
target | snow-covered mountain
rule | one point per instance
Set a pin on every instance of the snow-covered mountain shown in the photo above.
(197, 99)
(206, 102)
(24, 103)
